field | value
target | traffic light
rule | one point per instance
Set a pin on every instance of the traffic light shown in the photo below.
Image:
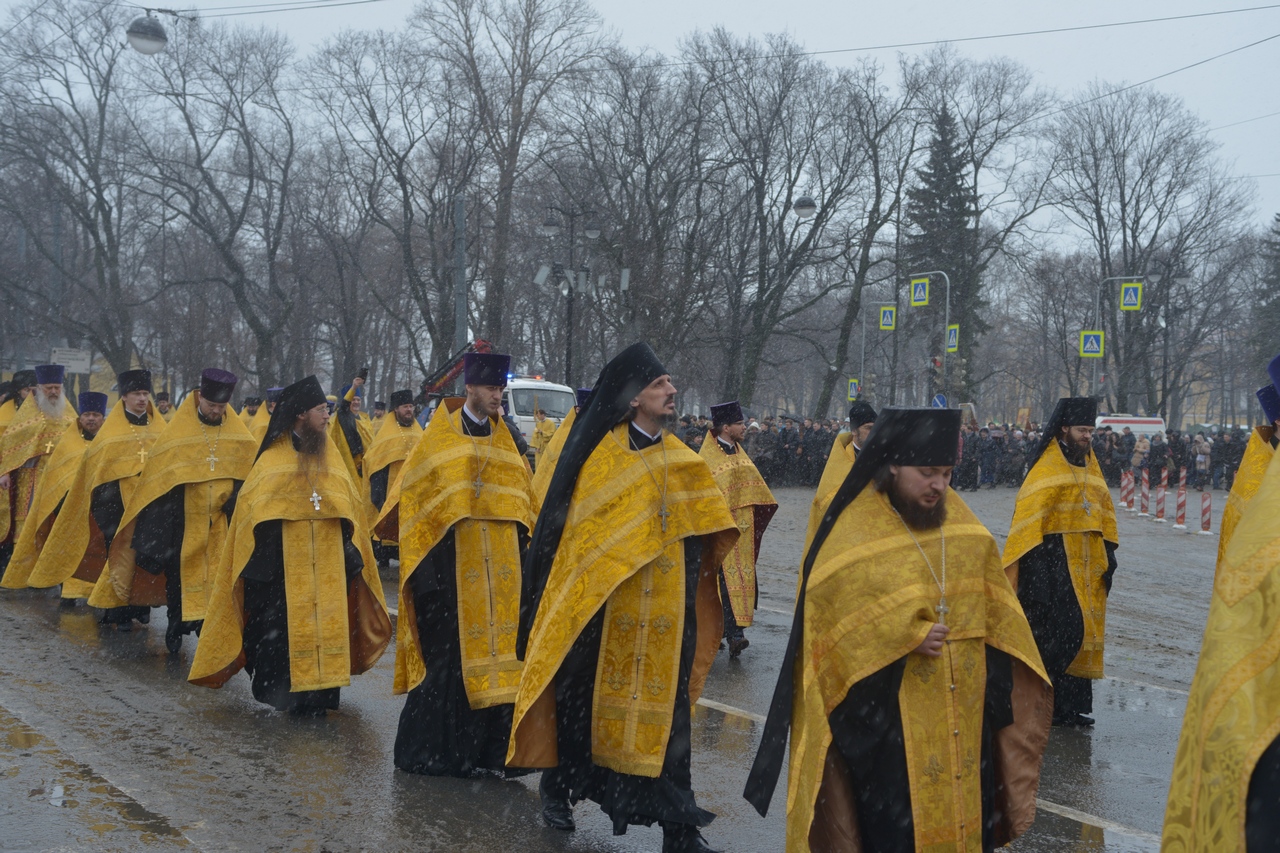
(869, 386)
(935, 371)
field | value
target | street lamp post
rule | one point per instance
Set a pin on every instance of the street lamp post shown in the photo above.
(1097, 314)
(550, 228)
(946, 323)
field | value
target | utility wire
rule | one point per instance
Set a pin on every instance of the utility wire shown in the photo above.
(19, 22)
(1244, 121)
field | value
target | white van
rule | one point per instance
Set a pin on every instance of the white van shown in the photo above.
(527, 394)
(1139, 426)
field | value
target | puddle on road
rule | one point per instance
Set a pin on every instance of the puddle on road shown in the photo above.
(64, 797)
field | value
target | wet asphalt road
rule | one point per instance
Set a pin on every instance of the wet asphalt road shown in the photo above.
(105, 747)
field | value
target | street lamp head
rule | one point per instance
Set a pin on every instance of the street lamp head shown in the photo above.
(146, 35)
(550, 227)
(592, 230)
(804, 207)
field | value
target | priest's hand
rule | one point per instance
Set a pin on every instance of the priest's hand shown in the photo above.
(931, 647)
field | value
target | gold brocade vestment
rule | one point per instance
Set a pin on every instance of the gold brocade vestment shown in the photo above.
(870, 601)
(59, 472)
(25, 448)
(390, 448)
(1233, 710)
(752, 506)
(615, 554)
(1052, 501)
(336, 628)
(8, 411)
(75, 546)
(551, 455)
(839, 462)
(1258, 454)
(206, 460)
(437, 492)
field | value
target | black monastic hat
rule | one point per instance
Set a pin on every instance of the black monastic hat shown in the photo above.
(861, 413)
(485, 368)
(297, 398)
(216, 385)
(1070, 411)
(400, 398)
(273, 394)
(582, 397)
(162, 395)
(1269, 397)
(915, 437)
(50, 374)
(24, 379)
(724, 414)
(625, 376)
(133, 380)
(253, 401)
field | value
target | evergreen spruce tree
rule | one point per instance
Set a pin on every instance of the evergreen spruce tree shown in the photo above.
(942, 235)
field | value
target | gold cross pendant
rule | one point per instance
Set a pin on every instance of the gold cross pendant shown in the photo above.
(142, 455)
(48, 447)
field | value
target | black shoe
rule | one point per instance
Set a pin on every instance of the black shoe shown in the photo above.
(173, 637)
(67, 603)
(737, 645)
(1073, 721)
(558, 814)
(685, 839)
(144, 615)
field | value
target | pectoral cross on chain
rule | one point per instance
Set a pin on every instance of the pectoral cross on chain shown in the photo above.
(477, 484)
(315, 500)
(48, 447)
(943, 610)
(663, 514)
(1088, 508)
(212, 460)
(142, 455)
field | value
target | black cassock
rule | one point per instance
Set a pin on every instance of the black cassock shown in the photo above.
(440, 734)
(106, 505)
(1057, 622)
(866, 729)
(625, 798)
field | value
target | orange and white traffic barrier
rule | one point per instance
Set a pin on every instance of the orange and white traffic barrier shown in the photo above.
(1181, 517)
(1206, 513)
(1126, 490)
(1146, 495)
(1159, 519)
(1164, 478)
(1182, 477)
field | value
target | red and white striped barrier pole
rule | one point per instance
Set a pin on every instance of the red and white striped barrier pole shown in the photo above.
(1160, 502)
(1206, 513)
(1181, 517)
(1182, 477)
(1164, 478)
(1126, 490)
(1146, 494)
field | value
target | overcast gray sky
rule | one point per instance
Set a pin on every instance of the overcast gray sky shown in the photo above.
(1225, 91)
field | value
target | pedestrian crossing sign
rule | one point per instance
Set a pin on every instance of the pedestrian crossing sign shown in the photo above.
(1131, 296)
(919, 292)
(888, 319)
(1091, 344)
(855, 388)
(953, 337)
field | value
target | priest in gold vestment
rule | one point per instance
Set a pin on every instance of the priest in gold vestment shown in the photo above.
(844, 451)
(262, 417)
(51, 491)
(1060, 556)
(621, 619)
(30, 439)
(464, 510)
(1225, 792)
(752, 505)
(21, 388)
(173, 527)
(351, 429)
(1258, 454)
(916, 701)
(81, 536)
(396, 438)
(296, 597)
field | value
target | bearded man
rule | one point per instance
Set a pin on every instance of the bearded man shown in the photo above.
(175, 523)
(916, 702)
(296, 597)
(752, 505)
(251, 406)
(81, 537)
(1060, 556)
(27, 444)
(621, 619)
(58, 473)
(464, 514)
